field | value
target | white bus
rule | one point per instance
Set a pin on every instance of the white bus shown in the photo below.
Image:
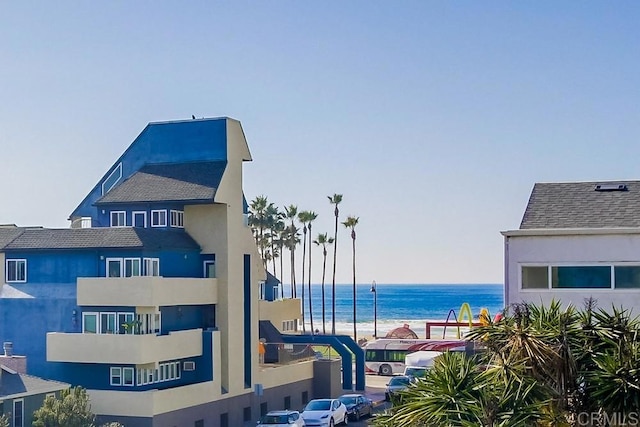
(386, 356)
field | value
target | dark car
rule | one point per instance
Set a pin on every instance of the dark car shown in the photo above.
(358, 405)
(396, 384)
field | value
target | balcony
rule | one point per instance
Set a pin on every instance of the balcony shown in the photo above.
(125, 349)
(280, 310)
(146, 291)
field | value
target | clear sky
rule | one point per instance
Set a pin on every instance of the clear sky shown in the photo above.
(433, 119)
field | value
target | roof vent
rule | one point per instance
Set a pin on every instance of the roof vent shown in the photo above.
(611, 187)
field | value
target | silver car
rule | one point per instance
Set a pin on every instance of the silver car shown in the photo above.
(396, 384)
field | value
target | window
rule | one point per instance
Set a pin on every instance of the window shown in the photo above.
(118, 219)
(583, 277)
(246, 413)
(199, 423)
(224, 419)
(177, 218)
(151, 267)
(112, 179)
(18, 413)
(126, 323)
(287, 402)
(131, 267)
(159, 218)
(139, 219)
(264, 409)
(114, 267)
(305, 397)
(89, 323)
(127, 376)
(210, 269)
(116, 376)
(16, 270)
(627, 277)
(534, 277)
(108, 323)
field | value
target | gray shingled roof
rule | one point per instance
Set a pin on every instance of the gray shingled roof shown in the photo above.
(579, 205)
(16, 383)
(7, 234)
(101, 237)
(169, 182)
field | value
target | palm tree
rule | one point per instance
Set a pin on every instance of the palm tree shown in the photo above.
(303, 217)
(273, 220)
(291, 240)
(334, 200)
(323, 240)
(351, 223)
(310, 218)
(291, 213)
(257, 221)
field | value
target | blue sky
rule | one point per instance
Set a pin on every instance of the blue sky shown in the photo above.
(433, 119)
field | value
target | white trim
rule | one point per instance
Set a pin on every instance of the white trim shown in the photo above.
(117, 169)
(16, 260)
(150, 262)
(13, 414)
(118, 374)
(179, 218)
(124, 267)
(133, 218)
(120, 260)
(91, 313)
(116, 329)
(153, 224)
(205, 263)
(570, 231)
(118, 213)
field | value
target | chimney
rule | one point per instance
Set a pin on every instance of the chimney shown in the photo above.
(15, 363)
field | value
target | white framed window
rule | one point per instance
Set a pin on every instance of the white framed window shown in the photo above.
(151, 267)
(18, 413)
(112, 179)
(210, 269)
(16, 270)
(176, 218)
(132, 267)
(114, 267)
(127, 376)
(108, 323)
(126, 323)
(139, 219)
(118, 218)
(90, 323)
(115, 375)
(158, 218)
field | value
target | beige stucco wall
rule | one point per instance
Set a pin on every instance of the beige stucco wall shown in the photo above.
(281, 310)
(220, 229)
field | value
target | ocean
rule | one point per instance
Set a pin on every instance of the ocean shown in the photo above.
(397, 304)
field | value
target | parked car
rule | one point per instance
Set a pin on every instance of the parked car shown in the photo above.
(282, 419)
(358, 405)
(325, 413)
(396, 384)
(415, 371)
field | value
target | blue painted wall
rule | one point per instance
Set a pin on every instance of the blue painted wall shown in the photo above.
(25, 322)
(97, 376)
(67, 266)
(186, 141)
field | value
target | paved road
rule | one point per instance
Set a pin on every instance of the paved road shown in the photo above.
(374, 389)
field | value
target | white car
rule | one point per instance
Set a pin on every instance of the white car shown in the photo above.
(282, 419)
(325, 413)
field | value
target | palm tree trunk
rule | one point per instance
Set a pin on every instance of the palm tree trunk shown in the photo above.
(333, 282)
(304, 251)
(293, 273)
(324, 268)
(310, 303)
(281, 272)
(353, 236)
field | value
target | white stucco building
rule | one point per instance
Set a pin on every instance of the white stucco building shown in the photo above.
(576, 240)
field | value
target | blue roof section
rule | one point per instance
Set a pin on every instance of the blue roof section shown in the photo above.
(101, 237)
(169, 182)
(200, 140)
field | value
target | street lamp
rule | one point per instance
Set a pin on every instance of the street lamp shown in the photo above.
(375, 309)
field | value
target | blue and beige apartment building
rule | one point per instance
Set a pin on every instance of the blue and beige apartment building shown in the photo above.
(152, 298)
